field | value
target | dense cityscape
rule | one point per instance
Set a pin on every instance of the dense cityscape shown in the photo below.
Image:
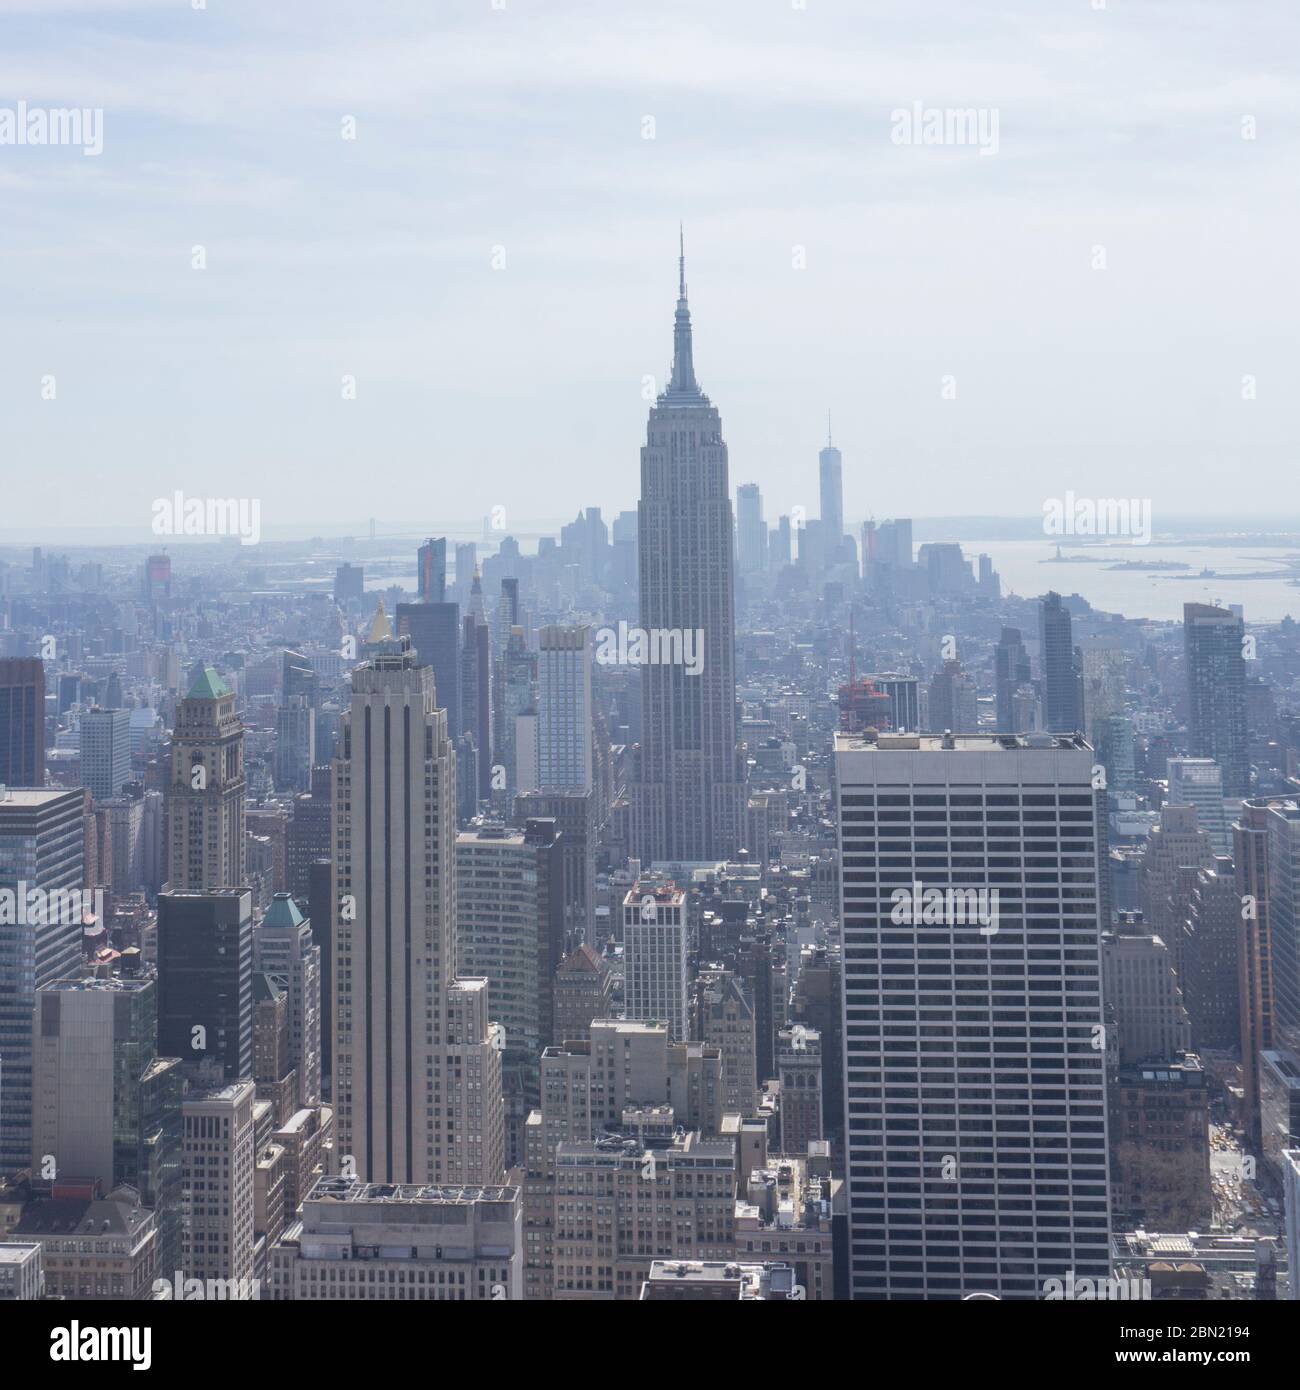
(685, 908)
(648, 654)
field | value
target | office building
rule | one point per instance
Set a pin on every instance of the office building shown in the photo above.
(283, 945)
(363, 1242)
(1062, 667)
(434, 630)
(107, 1106)
(105, 751)
(205, 982)
(975, 1096)
(751, 530)
(638, 1195)
(42, 840)
(219, 1163)
(564, 711)
(22, 722)
(656, 953)
(1214, 649)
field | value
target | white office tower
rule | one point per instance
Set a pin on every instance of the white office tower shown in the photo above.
(410, 1039)
(564, 743)
(655, 952)
(1199, 782)
(975, 1097)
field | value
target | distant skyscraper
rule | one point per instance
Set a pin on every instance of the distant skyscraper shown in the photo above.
(42, 847)
(1011, 672)
(751, 532)
(432, 576)
(22, 722)
(688, 802)
(953, 703)
(970, 1018)
(1199, 782)
(349, 585)
(205, 793)
(475, 684)
(434, 630)
(1214, 643)
(831, 477)
(412, 1044)
(1062, 668)
(105, 751)
(564, 712)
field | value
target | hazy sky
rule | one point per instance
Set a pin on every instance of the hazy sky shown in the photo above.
(523, 128)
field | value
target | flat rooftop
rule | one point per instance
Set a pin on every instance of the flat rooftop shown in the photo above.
(351, 1190)
(959, 743)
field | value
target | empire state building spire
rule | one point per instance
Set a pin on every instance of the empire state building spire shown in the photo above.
(683, 386)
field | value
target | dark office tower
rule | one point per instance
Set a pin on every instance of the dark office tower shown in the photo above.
(1010, 672)
(689, 798)
(105, 751)
(432, 577)
(308, 835)
(818, 1004)
(574, 814)
(320, 912)
(1214, 642)
(1062, 667)
(42, 848)
(434, 630)
(975, 1092)
(22, 722)
(205, 981)
(1254, 957)
(108, 1107)
(475, 687)
(509, 604)
(205, 792)
(831, 475)
(349, 585)
(761, 964)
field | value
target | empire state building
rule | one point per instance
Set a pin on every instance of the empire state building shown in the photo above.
(689, 796)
